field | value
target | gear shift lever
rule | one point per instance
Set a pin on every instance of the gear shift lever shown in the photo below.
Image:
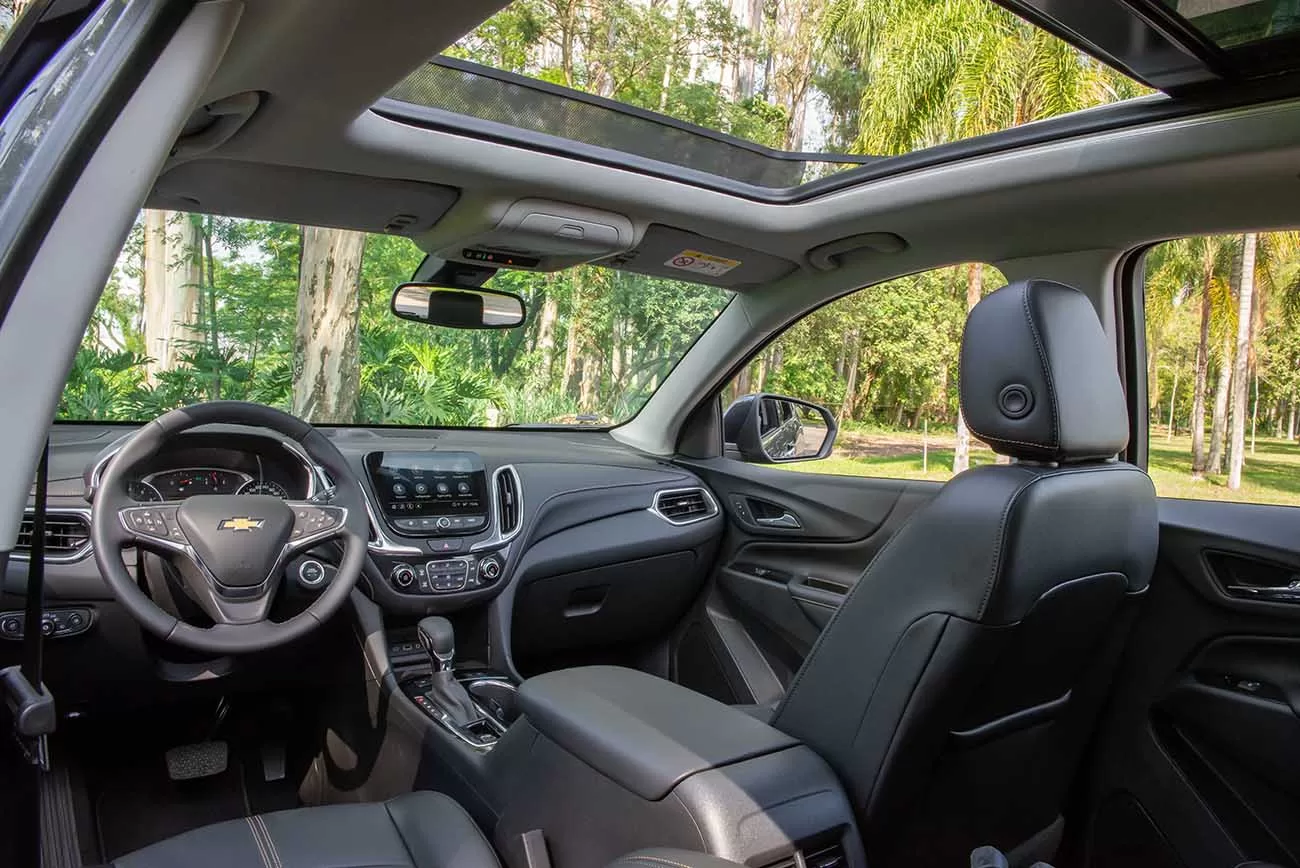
(438, 638)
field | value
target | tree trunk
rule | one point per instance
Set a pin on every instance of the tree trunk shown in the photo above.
(974, 289)
(849, 404)
(1219, 421)
(327, 370)
(1254, 411)
(546, 331)
(571, 348)
(171, 276)
(210, 283)
(1173, 397)
(587, 395)
(1290, 422)
(1202, 374)
(1241, 367)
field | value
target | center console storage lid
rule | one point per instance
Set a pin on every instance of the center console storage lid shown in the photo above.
(644, 733)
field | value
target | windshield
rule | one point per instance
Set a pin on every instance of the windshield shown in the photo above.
(202, 308)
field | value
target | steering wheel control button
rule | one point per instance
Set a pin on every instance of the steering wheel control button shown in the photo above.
(311, 521)
(154, 522)
(311, 573)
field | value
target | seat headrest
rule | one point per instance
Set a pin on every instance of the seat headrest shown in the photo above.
(1038, 376)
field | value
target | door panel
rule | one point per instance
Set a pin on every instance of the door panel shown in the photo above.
(779, 582)
(1198, 759)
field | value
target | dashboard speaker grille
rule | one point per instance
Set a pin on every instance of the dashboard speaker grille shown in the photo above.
(507, 501)
(65, 535)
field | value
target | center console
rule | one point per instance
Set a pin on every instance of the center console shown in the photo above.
(605, 760)
(443, 525)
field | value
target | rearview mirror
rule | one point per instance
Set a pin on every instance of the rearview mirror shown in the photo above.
(458, 307)
(773, 428)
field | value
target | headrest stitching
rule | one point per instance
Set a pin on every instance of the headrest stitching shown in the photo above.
(1047, 368)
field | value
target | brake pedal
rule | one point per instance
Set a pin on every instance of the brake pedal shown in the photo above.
(187, 762)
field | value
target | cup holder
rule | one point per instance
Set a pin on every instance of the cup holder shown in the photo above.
(498, 698)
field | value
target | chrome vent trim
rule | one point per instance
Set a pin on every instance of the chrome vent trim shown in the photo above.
(67, 535)
(681, 508)
(507, 502)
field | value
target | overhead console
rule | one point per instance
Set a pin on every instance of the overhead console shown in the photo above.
(541, 235)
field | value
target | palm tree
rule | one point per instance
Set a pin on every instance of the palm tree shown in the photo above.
(937, 72)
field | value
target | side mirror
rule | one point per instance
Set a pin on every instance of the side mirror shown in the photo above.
(458, 307)
(770, 429)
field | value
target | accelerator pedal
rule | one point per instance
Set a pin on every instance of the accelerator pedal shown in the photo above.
(188, 762)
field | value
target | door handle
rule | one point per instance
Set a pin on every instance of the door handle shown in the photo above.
(785, 519)
(1289, 593)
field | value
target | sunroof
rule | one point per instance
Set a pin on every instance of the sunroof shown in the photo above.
(763, 94)
(1236, 23)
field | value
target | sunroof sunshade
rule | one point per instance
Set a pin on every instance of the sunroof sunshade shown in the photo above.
(1236, 23)
(772, 96)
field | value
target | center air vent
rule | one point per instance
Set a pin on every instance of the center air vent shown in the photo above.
(67, 536)
(506, 497)
(684, 505)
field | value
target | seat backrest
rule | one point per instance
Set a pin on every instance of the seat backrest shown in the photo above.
(955, 688)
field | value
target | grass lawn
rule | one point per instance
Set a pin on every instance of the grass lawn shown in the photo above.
(1270, 475)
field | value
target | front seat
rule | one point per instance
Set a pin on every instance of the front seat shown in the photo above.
(416, 830)
(955, 688)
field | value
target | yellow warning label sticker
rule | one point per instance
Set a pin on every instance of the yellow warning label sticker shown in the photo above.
(702, 263)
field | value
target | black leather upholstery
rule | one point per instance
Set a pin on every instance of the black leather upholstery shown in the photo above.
(1036, 385)
(643, 732)
(671, 857)
(417, 830)
(955, 687)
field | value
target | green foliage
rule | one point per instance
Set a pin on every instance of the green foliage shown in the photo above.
(627, 331)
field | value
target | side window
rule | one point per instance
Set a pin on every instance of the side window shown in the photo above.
(883, 361)
(1223, 367)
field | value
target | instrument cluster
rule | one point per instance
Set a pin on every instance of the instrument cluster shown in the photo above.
(189, 481)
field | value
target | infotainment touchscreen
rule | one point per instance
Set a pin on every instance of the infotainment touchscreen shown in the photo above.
(429, 493)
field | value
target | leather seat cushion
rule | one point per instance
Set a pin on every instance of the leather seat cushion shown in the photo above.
(416, 830)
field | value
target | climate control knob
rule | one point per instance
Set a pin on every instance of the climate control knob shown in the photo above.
(489, 569)
(403, 575)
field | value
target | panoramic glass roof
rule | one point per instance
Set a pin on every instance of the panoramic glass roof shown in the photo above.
(1233, 23)
(769, 95)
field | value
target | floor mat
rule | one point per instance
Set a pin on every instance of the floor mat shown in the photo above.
(136, 804)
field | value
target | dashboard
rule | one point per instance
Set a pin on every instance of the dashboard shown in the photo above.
(547, 540)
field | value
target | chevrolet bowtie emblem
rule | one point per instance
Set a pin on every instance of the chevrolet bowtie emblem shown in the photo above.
(241, 522)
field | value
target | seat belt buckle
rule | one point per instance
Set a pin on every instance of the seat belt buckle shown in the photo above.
(34, 718)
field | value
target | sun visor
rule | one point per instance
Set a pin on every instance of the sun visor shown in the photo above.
(306, 196)
(674, 253)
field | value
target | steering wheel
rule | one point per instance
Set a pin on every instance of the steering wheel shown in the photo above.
(230, 550)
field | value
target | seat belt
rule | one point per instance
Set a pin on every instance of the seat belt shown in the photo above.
(30, 704)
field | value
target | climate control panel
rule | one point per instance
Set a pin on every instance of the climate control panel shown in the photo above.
(446, 575)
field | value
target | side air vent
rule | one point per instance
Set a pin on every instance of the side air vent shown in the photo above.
(67, 536)
(684, 505)
(508, 505)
